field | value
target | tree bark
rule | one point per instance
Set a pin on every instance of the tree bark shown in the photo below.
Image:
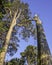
(43, 48)
(28, 60)
(8, 36)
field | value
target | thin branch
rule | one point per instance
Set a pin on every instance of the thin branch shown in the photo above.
(18, 15)
(19, 25)
(8, 9)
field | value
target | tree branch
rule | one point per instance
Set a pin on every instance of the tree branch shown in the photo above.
(18, 15)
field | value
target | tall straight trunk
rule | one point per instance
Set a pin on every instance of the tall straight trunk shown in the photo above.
(43, 48)
(28, 60)
(8, 36)
(39, 46)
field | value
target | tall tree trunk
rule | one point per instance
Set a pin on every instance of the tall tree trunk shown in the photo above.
(28, 60)
(8, 36)
(43, 48)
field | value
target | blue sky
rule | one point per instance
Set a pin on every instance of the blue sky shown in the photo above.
(44, 9)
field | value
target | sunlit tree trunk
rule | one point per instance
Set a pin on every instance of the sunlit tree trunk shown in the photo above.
(8, 36)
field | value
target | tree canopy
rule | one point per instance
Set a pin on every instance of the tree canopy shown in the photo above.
(29, 56)
(16, 17)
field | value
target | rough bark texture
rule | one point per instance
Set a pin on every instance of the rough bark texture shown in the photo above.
(43, 48)
(8, 36)
(28, 60)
